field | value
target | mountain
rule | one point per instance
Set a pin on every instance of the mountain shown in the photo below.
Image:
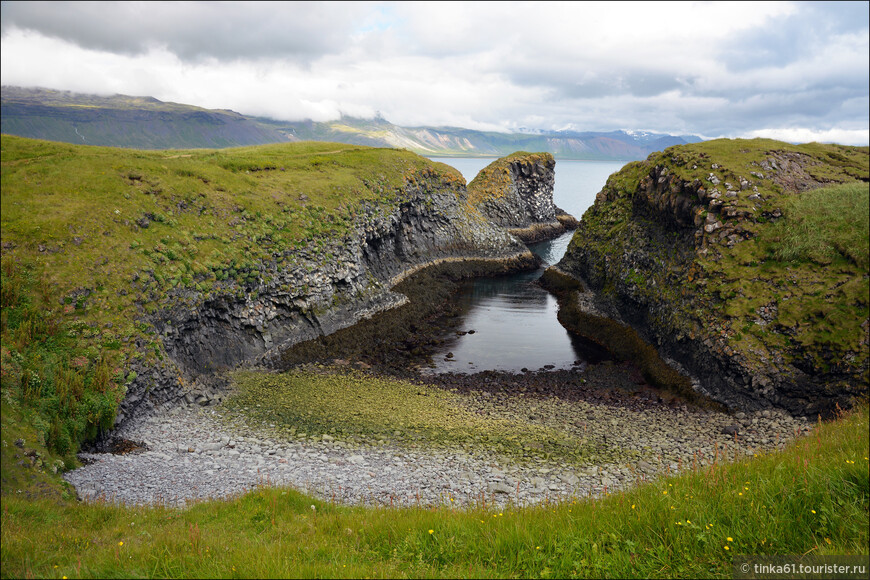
(147, 123)
(123, 121)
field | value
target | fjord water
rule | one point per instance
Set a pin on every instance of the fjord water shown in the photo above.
(513, 319)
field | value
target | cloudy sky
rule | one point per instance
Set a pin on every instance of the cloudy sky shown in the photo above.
(797, 71)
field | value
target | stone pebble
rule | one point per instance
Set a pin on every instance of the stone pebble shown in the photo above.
(192, 454)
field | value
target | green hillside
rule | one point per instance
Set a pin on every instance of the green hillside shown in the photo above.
(750, 256)
(97, 239)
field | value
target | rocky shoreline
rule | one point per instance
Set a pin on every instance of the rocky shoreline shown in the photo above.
(202, 450)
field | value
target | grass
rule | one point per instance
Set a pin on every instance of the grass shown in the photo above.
(68, 387)
(824, 225)
(111, 220)
(811, 499)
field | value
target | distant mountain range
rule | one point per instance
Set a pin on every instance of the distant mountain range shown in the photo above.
(147, 123)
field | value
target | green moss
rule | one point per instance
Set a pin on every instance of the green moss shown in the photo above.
(354, 407)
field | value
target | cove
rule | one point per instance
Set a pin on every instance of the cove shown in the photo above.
(508, 323)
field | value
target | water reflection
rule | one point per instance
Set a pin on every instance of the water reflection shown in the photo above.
(510, 323)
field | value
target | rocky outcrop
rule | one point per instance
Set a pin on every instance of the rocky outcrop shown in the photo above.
(516, 193)
(680, 248)
(327, 286)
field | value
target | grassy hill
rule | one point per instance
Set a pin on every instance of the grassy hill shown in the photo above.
(97, 239)
(747, 261)
(94, 239)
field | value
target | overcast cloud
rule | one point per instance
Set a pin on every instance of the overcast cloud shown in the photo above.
(794, 71)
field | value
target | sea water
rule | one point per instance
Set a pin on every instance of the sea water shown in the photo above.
(513, 320)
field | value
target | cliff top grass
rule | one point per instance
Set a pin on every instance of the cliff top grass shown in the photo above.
(797, 283)
(96, 219)
(493, 180)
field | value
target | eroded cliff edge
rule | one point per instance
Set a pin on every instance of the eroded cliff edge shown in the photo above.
(691, 248)
(330, 284)
(516, 193)
(130, 277)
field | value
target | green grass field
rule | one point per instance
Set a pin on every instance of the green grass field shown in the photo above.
(811, 499)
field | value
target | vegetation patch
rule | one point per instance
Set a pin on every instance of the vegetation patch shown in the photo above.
(53, 368)
(351, 406)
(756, 248)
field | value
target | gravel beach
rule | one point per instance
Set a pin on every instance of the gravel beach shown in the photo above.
(195, 451)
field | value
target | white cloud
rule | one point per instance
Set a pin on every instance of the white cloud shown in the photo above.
(704, 68)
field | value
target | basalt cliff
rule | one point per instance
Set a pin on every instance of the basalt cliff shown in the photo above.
(743, 261)
(516, 193)
(159, 268)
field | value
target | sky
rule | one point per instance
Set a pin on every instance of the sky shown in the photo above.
(796, 71)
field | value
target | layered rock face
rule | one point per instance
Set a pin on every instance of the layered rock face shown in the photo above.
(682, 248)
(330, 285)
(516, 193)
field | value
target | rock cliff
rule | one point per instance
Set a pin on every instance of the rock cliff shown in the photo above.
(327, 286)
(699, 248)
(516, 193)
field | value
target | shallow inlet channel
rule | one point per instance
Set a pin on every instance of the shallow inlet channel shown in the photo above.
(509, 323)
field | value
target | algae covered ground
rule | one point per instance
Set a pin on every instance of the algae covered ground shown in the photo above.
(359, 408)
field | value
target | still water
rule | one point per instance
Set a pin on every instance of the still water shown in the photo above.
(514, 321)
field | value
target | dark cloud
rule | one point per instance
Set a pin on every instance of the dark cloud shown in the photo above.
(192, 30)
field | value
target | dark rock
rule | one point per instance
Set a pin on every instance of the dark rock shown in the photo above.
(516, 192)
